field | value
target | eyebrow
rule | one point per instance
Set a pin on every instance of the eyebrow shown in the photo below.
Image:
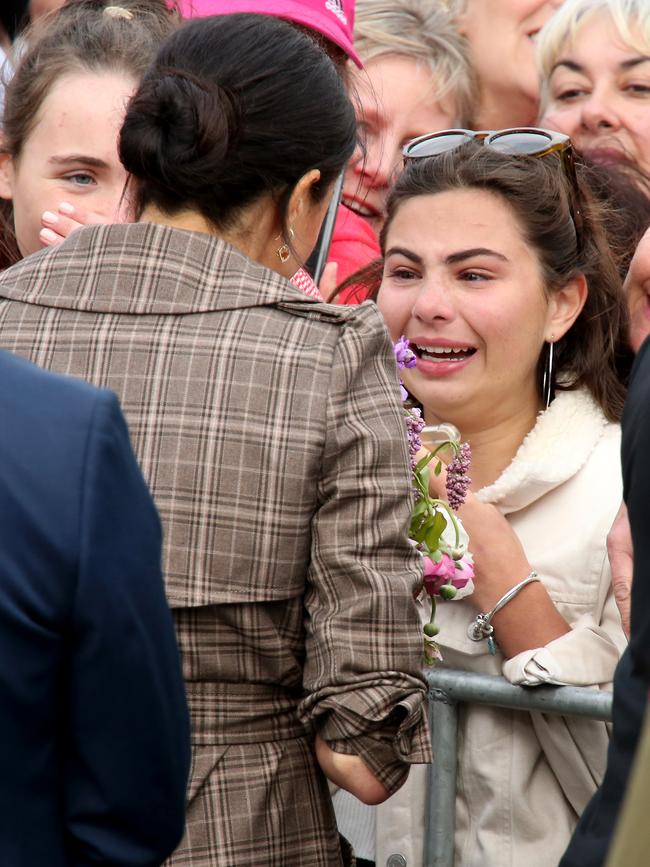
(569, 64)
(408, 254)
(452, 259)
(634, 61)
(630, 63)
(475, 251)
(77, 158)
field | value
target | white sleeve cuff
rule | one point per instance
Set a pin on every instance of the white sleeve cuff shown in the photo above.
(585, 656)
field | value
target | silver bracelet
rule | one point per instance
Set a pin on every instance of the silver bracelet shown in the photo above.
(481, 627)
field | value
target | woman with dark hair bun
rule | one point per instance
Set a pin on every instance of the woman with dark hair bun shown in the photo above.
(270, 429)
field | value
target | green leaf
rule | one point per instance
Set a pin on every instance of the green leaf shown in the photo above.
(435, 531)
(438, 468)
(421, 508)
(419, 534)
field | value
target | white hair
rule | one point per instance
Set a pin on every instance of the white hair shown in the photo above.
(630, 17)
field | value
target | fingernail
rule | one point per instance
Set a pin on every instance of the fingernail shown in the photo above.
(66, 208)
(47, 235)
(49, 217)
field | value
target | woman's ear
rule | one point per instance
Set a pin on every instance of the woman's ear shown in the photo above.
(6, 176)
(301, 196)
(305, 214)
(565, 306)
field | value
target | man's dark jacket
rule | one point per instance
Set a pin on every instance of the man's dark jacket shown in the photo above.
(94, 734)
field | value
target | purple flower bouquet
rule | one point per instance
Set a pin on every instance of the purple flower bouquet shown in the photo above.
(435, 530)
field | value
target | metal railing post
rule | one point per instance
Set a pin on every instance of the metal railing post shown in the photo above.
(447, 689)
(440, 813)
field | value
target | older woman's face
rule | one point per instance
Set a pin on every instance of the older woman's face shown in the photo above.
(637, 286)
(599, 94)
(396, 102)
(501, 35)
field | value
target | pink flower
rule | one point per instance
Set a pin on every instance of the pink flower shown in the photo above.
(446, 573)
(437, 574)
(463, 575)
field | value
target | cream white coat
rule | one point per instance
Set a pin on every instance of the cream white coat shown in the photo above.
(524, 778)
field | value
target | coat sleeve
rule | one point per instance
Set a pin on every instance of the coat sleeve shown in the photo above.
(127, 735)
(587, 655)
(362, 674)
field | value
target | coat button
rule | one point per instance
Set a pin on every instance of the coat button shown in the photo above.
(396, 861)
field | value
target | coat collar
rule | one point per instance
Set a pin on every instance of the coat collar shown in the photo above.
(557, 447)
(147, 268)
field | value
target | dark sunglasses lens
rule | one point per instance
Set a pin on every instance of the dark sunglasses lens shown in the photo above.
(530, 143)
(435, 145)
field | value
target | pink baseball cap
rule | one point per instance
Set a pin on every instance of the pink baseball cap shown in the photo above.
(333, 18)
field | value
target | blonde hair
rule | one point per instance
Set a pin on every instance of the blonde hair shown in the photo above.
(630, 17)
(423, 30)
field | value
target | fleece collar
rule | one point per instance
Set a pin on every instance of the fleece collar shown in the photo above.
(555, 450)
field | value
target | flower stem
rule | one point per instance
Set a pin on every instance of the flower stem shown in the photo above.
(447, 444)
(456, 530)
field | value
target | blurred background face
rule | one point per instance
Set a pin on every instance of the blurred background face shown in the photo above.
(396, 102)
(599, 94)
(501, 36)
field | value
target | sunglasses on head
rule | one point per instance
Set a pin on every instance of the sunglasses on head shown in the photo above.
(522, 141)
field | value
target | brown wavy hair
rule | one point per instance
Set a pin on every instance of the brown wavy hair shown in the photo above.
(78, 37)
(593, 354)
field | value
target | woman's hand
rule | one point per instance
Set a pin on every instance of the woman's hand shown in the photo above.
(621, 560)
(350, 773)
(57, 227)
(530, 619)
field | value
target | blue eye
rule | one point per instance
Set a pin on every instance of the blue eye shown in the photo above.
(81, 179)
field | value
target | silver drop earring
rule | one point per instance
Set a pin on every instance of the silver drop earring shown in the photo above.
(547, 380)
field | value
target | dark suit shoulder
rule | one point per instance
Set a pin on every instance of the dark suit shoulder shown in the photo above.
(46, 421)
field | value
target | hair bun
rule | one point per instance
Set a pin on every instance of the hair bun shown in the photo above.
(177, 120)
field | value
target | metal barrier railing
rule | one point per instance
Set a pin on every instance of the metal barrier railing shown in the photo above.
(447, 689)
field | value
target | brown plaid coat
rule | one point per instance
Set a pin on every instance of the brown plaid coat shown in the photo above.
(269, 428)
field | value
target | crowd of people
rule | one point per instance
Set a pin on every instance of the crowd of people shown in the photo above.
(212, 610)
